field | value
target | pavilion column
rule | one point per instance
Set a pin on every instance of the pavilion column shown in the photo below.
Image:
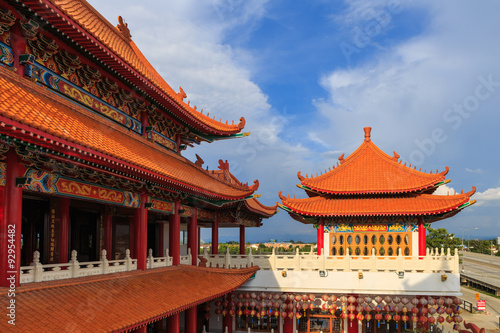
(421, 237)
(321, 236)
(131, 238)
(142, 329)
(108, 233)
(288, 323)
(215, 235)
(174, 244)
(199, 240)
(141, 233)
(191, 323)
(242, 239)
(228, 322)
(64, 230)
(193, 237)
(145, 122)
(173, 325)
(11, 222)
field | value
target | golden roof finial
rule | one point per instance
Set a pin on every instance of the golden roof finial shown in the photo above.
(123, 28)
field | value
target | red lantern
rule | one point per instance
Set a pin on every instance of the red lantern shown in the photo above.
(311, 306)
(405, 318)
(378, 299)
(448, 301)
(333, 298)
(431, 320)
(396, 300)
(449, 311)
(387, 308)
(325, 298)
(432, 311)
(458, 319)
(404, 309)
(276, 313)
(297, 298)
(440, 301)
(351, 308)
(253, 313)
(343, 299)
(342, 315)
(351, 299)
(218, 311)
(404, 300)
(440, 310)
(414, 310)
(290, 314)
(247, 295)
(232, 312)
(305, 306)
(368, 317)
(423, 311)
(396, 317)
(351, 316)
(224, 312)
(240, 296)
(457, 301)
(449, 319)
(423, 301)
(207, 315)
(207, 308)
(378, 317)
(360, 316)
(246, 312)
(396, 309)
(368, 299)
(414, 301)
(262, 313)
(368, 308)
(284, 314)
(298, 315)
(440, 319)
(432, 301)
(388, 316)
(240, 313)
(304, 298)
(414, 318)
(277, 297)
(324, 306)
(423, 319)
(388, 299)
(312, 297)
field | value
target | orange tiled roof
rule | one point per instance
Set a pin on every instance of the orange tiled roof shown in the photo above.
(256, 206)
(370, 170)
(409, 204)
(118, 302)
(40, 109)
(84, 18)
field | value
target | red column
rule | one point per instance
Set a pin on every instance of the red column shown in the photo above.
(242, 239)
(421, 237)
(199, 241)
(145, 122)
(192, 236)
(228, 322)
(191, 320)
(108, 234)
(174, 244)
(173, 323)
(18, 44)
(321, 237)
(178, 142)
(64, 231)
(142, 329)
(215, 235)
(141, 233)
(288, 324)
(11, 222)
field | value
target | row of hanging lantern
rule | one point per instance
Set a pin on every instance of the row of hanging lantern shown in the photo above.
(287, 305)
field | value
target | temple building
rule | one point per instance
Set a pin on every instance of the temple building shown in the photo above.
(372, 271)
(100, 214)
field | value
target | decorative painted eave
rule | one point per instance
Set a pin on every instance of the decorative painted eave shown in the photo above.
(32, 116)
(113, 46)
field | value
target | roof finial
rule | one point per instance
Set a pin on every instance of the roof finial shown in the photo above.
(367, 133)
(123, 28)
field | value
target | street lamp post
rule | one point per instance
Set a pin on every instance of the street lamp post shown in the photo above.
(468, 238)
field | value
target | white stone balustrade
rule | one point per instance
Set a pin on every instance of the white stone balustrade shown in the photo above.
(433, 262)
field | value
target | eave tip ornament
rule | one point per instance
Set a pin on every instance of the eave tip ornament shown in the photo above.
(123, 28)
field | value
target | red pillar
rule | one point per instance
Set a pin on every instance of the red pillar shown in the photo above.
(192, 237)
(228, 322)
(242, 239)
(145, 122)
(64, 231)
(10, 223)
(421, 237)
(142, 329)
(288, 323)
(141, 233)
(191, 322)
(215, 235)
(18, 44)
(199, 240)
(108, 234)
(321, 237)
(173, 323)
(174, 244)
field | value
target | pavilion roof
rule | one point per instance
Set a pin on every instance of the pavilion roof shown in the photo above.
(370, 170)
(35, 114)
(78, 20)
(257, 207)
(118, 302)
(388, 205)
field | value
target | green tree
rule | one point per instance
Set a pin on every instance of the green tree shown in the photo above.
(440, 238)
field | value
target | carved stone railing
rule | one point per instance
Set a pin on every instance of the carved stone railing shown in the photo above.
(433, 262)
(38, 272)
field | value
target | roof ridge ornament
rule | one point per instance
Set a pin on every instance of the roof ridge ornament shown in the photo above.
(341, 158)
(300, 176)
(367, 134)
(123, 28)
(396, 156)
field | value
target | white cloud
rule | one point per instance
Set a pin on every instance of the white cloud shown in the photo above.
(478, 170)
(444, 190)
(490, 197)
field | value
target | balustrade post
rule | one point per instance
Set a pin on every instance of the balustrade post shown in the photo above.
(456, 263)
(227, 261)
(37, 267)
(168, 259)
(427, 259)
(150, 258)
(190, 257)
(273, 259)
(128, 260)
(104, 262)
(442, 251)
(323, 260)
(250, 257)
(373, 259)
(75, 265)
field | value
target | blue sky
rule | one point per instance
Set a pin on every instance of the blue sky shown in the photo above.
(309, 75)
